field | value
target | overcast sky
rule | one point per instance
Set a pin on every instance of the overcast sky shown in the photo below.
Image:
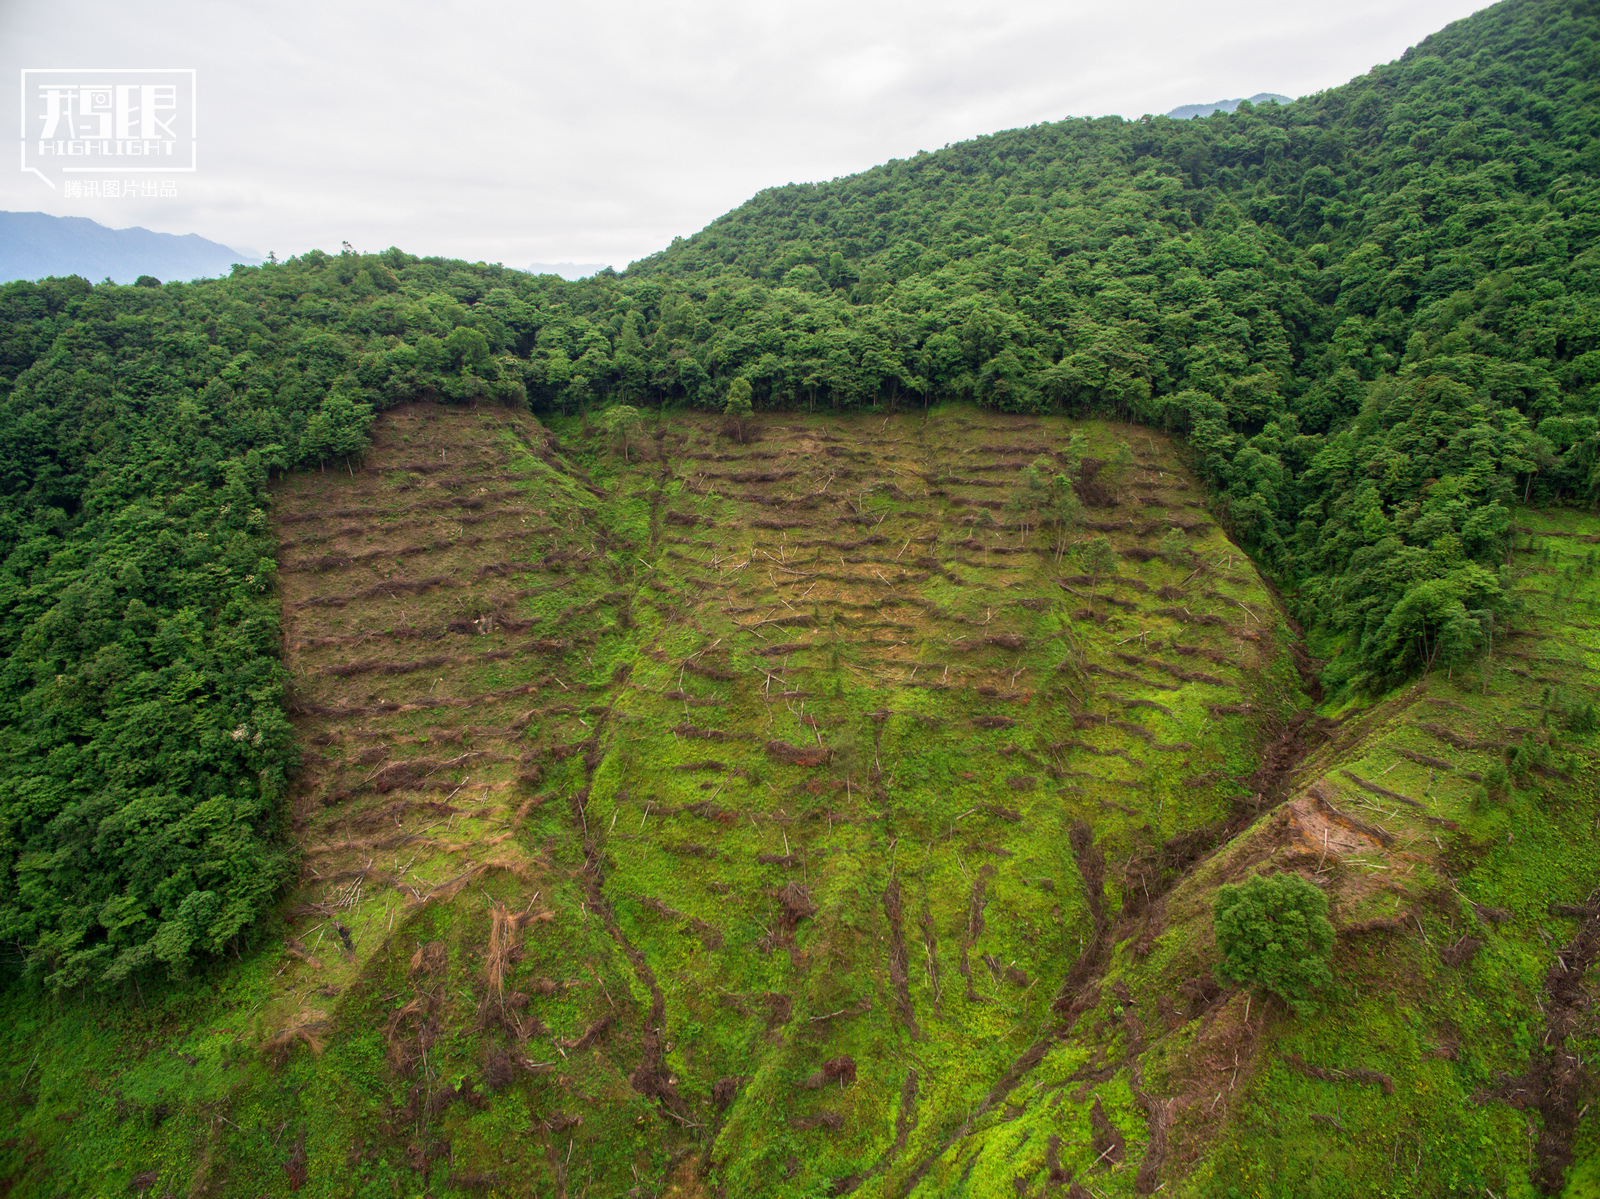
(596, 132)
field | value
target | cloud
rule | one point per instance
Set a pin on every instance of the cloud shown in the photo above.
(598, 132)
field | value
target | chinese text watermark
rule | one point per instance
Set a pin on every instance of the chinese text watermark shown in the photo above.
(119, 189)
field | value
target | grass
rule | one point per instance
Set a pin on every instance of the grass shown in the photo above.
(814, 750)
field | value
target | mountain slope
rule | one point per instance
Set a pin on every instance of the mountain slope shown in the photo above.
(666, 816)
(612, 845)
(786, 814)
(1189, 111)
(1298, 289)
(34, 245)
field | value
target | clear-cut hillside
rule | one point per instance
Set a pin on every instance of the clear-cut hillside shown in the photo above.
(798, 810)
(772, 797)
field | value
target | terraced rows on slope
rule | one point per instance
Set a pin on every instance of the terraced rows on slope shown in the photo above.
(782, 816)
(1454, 825)
(738, 800)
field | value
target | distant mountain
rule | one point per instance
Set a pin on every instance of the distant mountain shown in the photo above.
(1186, 111)
(35, 245)
(567, 270)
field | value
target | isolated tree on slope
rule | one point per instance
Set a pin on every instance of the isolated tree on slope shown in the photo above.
(622, 422)
(738, 408)
(1274, 934)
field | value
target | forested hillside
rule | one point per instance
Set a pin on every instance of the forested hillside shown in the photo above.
(1374, 312)
(1369, 321)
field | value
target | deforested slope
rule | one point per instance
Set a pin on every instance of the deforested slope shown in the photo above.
(1370, 312)
(699, 811)
(801, 700)
(1454, 823)
(449, 744)
(813, 804)
(879, 749)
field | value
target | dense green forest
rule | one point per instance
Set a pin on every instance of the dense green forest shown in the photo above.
(1374, 314)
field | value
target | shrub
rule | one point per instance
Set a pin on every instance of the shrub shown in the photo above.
(1498, 779)
(1581, 718)
(1274, 934)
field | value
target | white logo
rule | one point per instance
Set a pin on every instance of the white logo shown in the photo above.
(109, 121)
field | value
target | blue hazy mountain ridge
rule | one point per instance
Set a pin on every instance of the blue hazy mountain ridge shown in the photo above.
(1185, 111)
(36, 245)
(571, 271)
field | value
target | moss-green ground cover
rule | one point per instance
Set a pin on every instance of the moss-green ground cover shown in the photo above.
(801, 813)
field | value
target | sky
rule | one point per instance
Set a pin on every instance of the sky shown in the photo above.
(597, 132)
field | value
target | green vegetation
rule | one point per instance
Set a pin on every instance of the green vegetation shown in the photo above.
(1372, 312)
(756, 757)
(1273, 933)
(762, 858)
(143, 745)
(780, 721)
(739, 405)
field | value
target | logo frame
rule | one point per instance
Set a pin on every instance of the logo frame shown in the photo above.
(98, 77)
